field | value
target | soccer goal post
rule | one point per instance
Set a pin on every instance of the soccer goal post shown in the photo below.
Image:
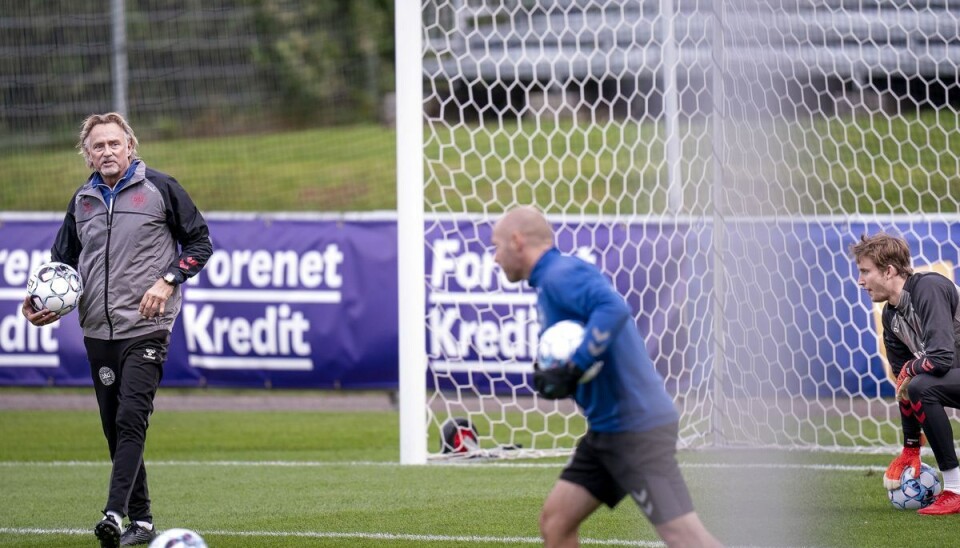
(715, 159)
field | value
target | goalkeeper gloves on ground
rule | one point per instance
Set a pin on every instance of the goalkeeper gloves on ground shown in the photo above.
(910, 456)
(557, 382)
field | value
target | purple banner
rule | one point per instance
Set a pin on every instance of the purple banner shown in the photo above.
(483, 330)
(311, 302)
(282, 302)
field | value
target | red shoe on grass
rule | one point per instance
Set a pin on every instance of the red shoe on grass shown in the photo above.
(947, 503)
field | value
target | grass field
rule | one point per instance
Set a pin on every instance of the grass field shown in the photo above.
(838, 166)
(295, 478)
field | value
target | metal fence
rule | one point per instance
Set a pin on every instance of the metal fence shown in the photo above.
(194, 67)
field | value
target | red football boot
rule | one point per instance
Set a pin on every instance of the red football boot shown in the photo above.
(947, 503)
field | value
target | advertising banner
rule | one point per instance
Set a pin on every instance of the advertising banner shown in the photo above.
(306, 303)
(478, 322)
(311, 302)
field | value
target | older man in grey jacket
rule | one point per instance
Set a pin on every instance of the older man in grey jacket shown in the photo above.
(134, 235)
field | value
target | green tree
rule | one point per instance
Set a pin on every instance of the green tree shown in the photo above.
(330, 61)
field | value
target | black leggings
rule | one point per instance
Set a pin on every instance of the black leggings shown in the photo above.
(928, 397)
(126, 374)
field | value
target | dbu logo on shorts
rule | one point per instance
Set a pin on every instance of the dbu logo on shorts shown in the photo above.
(107, 376)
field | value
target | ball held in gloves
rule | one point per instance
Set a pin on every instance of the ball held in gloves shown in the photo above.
(557, 345)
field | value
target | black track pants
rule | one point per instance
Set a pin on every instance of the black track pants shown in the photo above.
(126, 374)
(928, 397)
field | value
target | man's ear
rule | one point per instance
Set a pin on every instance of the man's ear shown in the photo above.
(517, 240)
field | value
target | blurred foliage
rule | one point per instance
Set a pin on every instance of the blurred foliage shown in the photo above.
(194, 67)
(330, 60)
(32, 97)
(255, 105)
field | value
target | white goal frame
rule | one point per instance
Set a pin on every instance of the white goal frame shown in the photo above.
(751, 192)
(410, 234)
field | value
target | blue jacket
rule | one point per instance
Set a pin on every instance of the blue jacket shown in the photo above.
(628, 394)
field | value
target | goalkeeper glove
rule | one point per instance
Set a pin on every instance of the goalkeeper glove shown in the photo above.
(902, 385)
(909, 370)
(910, 456)
(557, 382)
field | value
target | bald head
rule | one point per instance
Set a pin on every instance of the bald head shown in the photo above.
(521, 237)
(530, 223)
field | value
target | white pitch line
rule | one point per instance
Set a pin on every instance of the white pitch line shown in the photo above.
(465, 463)
(430, 538)
(774, 466)
(352, 535)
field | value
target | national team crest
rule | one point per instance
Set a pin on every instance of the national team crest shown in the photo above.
(107, 377)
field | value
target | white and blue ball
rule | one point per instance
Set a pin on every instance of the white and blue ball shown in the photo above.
(56, 287)
(558, 343)
(178, 538)
(916, 493)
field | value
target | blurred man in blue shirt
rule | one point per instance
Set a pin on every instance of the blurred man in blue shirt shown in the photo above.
(631, 442)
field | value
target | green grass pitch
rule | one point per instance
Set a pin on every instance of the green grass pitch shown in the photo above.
(289, 478)
(841, 165)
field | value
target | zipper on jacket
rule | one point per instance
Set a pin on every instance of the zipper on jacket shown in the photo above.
(106, 268)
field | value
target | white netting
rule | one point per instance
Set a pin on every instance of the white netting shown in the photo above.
(716, 159)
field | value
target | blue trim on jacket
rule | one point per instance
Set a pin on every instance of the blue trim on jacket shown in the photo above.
(110, 193)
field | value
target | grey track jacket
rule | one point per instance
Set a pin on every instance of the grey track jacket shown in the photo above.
(122, 251)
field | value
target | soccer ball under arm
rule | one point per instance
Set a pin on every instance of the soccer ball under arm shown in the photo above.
(56, 287)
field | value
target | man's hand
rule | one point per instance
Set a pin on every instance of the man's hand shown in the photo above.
(37, 317)
(903, 380)
(902, 389)
(910, 456)
(909, 370)
(155, 299)
(557, 382)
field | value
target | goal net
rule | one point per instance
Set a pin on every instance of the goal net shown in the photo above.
(715, 159)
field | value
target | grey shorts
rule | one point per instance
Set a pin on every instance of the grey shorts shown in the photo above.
(641, 464)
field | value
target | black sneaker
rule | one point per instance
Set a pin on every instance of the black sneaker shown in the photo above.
(136, 534)
(108, 532)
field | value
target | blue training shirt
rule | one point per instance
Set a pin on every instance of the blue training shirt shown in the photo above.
(628, 394)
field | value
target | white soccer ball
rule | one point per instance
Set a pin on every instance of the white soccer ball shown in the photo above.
(56, 287)
(916, 493)
(178, 538)
(559, 342)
